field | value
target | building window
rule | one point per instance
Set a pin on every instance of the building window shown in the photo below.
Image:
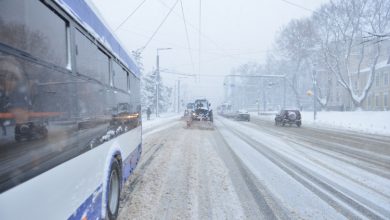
(377, 79)
(386, 100)
(386, 80)
(377, 100)
(368, 100)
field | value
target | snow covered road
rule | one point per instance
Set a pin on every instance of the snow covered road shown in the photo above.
(255, 170)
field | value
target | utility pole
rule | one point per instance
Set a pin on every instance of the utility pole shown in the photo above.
(264, 96)
(284, 92)
(314, 95)
(174, 98)
(178, 96)
(157, 81)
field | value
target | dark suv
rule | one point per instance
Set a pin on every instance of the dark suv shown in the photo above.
(287, 116)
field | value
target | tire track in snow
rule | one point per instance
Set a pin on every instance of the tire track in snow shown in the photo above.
(181, 179)
(378, 163)
(355, 136)
(267, 206)
(322, 189)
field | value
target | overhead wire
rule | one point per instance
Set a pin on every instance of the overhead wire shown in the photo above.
(200, 33)
(296, 5)
(130, 15)
(211, 52)
(187, 36)
(158, 28)
(200, 40)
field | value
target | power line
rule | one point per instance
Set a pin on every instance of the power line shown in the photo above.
(188, 39)
(178, 73)
(158, 28)
(200, 40)
(296, 5)
(131, 14)
(200, 33)
(214, 52)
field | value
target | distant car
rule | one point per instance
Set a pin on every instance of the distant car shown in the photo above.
(190, 108)
(242, 115)
(288, 116)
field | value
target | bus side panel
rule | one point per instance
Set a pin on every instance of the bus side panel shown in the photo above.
(64, 189)
(130, 163)
(91, 208)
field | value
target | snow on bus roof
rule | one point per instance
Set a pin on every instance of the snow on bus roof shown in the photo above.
(83, 12)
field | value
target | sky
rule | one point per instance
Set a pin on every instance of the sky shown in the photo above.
(229, 33)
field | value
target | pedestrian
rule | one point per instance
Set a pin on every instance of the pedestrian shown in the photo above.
(148, 112)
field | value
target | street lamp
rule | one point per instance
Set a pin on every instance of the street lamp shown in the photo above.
(158, 77)
(178, 92)
(314, 95)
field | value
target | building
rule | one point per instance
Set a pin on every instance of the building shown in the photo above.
(378, 97)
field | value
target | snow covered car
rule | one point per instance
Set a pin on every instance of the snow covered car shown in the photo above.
(202, 111)
(288, 116)
(242, 115)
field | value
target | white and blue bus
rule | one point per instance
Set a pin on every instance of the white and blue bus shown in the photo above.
(70, 123)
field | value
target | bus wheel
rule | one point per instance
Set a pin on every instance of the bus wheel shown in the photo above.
(113, 194)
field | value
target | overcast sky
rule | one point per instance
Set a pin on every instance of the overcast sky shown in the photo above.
(233, 32)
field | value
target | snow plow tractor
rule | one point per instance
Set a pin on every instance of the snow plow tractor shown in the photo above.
(202, 116)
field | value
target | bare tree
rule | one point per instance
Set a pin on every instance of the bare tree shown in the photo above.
(346, 52)
(296, 42)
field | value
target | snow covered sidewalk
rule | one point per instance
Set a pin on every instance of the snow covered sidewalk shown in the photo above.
(371, 122)
(157, 124)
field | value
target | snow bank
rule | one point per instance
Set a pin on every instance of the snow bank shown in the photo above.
(372, 122)
(154, 122)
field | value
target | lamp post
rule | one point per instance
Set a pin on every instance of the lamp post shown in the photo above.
(314, 95)
(158, 78)
(178, 96)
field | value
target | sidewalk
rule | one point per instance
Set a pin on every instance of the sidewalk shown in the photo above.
(371, 122)
(163, 119)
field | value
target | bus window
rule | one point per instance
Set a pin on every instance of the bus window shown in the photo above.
(119, 76)
(57, 128)
(91, 61)
(129, 88)
(40, 32)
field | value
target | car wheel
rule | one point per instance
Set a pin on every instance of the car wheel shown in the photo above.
(113, 194)
(18, 138)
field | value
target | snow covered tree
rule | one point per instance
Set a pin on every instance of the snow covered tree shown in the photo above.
(148, 88)
(346, 50)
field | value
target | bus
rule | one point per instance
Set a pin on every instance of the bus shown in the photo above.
(70, 112)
